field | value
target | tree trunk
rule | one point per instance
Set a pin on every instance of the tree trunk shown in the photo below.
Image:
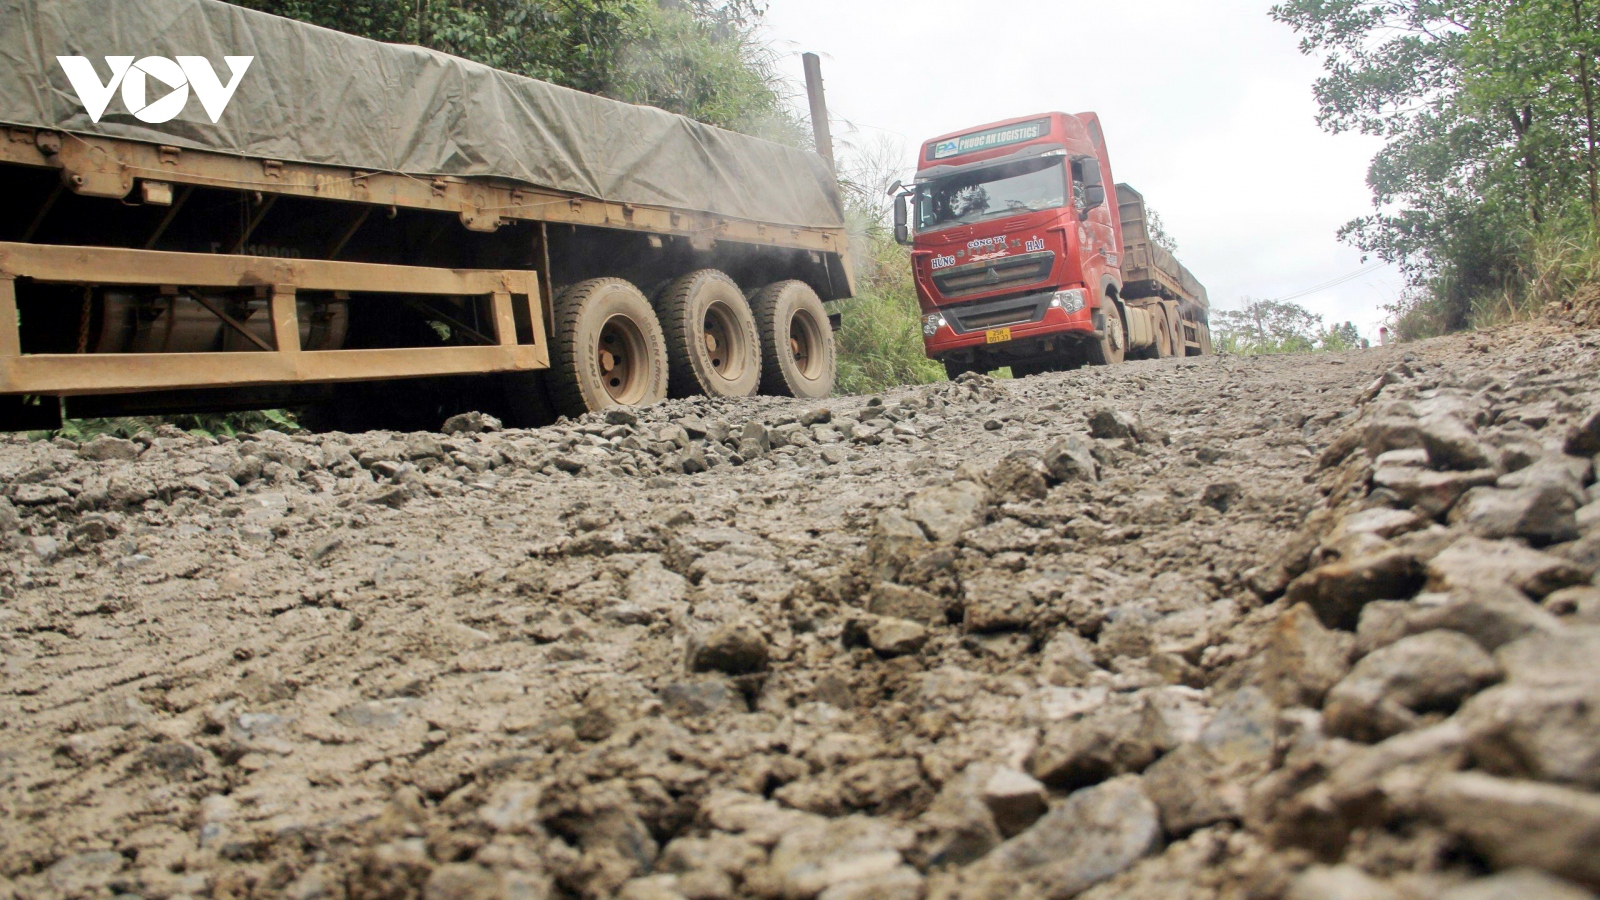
(1588, 109)
(1521, 124)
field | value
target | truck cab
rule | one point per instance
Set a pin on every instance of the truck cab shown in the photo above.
(1018, 252)
(1017, 247)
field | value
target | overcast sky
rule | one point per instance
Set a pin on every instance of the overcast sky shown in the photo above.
(1207, 109)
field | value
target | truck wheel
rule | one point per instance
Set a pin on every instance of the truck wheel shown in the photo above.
(1175, 335)
(607, 349)
(798, 356)
(1205, 340)
(1112, 346)
(1163, 328)
(712, 347)
(954, 370)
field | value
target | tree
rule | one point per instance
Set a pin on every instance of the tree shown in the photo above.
(1266, 326)
(1345, 336)
(1158, 231)
(1489, 111)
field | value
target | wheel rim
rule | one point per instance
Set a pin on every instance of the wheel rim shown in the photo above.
(1113, 334)
(725, 349)
(623, 360)
(805, 345)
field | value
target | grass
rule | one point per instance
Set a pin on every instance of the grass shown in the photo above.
(205, 424)
(1556, 263)
(880, 340)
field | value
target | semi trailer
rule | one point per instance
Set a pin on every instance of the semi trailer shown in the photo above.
(1022, 257)
(210, 208)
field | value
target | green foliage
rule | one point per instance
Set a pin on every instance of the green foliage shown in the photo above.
(880, 341)
(1489, 110)
(1344, 336)
(1274, 326)
(1554, 264)
(203, 424)
(698, 58)
(1158, 231)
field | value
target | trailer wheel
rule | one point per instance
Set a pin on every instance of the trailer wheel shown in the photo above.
(1163, 328)
(607, 349)
(1205, 340)
(712, 347)
(798, 356)
(1112, 345)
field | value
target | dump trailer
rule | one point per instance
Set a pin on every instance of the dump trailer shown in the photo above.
(1022, 259)
(213, 208)
(1154, 280)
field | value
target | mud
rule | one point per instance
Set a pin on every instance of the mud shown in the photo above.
(1320, 626)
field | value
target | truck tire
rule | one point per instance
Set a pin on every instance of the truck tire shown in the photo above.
(1163, 348)
(1111, 347)
(954, 370)
(607, 349)
(712, 346)
(1205, 340)
(798, 356)
(1175, 334)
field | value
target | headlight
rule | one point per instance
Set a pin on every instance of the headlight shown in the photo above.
(1070, 301)
(931, 324)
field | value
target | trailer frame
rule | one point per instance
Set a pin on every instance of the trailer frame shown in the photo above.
(63, 374)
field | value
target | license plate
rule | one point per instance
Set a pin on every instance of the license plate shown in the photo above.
(998, 335)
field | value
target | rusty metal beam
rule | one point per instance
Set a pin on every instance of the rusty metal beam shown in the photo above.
(10, 339)
(102, 373)
(228, 320)
(106, 373)
(285, 318)
(114, 265)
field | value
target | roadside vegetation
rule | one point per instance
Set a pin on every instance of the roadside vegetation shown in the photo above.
(880, 342)
(1487, 194)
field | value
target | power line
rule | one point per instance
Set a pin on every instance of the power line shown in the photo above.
(1333, 283)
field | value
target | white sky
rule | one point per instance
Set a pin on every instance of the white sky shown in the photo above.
(1206, 104)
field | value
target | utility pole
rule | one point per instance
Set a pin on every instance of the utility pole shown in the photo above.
(819, 108)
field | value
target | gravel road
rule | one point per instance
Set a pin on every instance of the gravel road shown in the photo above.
(1322, 627)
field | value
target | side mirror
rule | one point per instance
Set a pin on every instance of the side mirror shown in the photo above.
(1094, 195)
(902, 233)
(1091, 171)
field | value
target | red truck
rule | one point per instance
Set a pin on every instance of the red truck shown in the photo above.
(1022, 260)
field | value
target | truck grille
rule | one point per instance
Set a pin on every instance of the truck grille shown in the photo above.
(987, 314)
(995, 274)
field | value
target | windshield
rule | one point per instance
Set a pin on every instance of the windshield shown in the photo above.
(990, 193)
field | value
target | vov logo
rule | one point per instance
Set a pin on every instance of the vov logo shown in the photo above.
(134, 79)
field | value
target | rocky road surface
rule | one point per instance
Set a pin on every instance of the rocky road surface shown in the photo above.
(1322, 627)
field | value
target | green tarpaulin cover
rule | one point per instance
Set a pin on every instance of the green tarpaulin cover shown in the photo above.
(318, 96)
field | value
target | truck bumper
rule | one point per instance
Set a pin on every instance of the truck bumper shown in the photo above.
(1025, 339)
